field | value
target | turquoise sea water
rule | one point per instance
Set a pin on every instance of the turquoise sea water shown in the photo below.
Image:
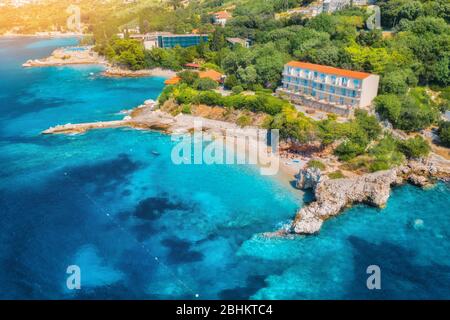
(139, 226)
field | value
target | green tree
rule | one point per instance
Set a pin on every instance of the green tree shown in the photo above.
(188, 77)
(205, 84)
(348, 150)
(444, 133)
(368, 123)
(398, 81)
(412, 112)
(385, 154)
(369, 38)
(231, 81)
(416, 147)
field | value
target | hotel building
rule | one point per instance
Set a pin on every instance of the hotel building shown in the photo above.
(327, 88)
(168, 40)
(182, 40)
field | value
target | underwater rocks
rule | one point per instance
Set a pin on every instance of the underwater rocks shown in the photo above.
(332, 196)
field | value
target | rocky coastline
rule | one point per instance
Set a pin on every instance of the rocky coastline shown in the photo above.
(333, 196)
(86, 55)
(68, 56)
(116, 72)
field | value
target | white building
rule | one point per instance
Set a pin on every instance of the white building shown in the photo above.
(327, 88)
(221, 17)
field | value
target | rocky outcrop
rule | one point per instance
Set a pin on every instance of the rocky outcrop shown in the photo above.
(116, 72)
(309, 178)
(332, 196)
(65, 56)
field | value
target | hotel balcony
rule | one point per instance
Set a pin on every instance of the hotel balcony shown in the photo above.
(356, 97)
(319, 80)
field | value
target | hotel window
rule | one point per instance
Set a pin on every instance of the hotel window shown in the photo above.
(333, 79)
(322, 77)
(341, 100)
(343, 92)
(316, 74)
(344, 82)
(356, 83)
(333, 90)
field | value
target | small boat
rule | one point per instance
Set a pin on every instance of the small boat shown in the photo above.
(155, 153)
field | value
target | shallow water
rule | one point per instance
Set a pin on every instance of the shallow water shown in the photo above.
(139, 226)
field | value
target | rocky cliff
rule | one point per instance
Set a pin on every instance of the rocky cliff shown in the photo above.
(332, 196)
(309, 178)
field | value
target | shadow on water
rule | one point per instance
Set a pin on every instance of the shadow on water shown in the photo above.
(153, 208)
(105, 175)
(35, 105)
(401, 277)
(38, 240)
(253, 284)
(308, 196)
(180, 251)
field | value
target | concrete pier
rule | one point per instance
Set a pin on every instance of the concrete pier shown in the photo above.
(83, 127)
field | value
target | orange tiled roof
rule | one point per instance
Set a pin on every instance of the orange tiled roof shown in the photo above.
(192, 65)
(173, 80)
(222, 15)
(329, 70)
(212, 74)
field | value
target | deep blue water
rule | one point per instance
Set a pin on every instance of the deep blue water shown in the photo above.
(105, 202)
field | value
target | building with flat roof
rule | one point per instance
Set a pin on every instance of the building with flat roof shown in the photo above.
(182, 40)
(327, 88)
(169, 40)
